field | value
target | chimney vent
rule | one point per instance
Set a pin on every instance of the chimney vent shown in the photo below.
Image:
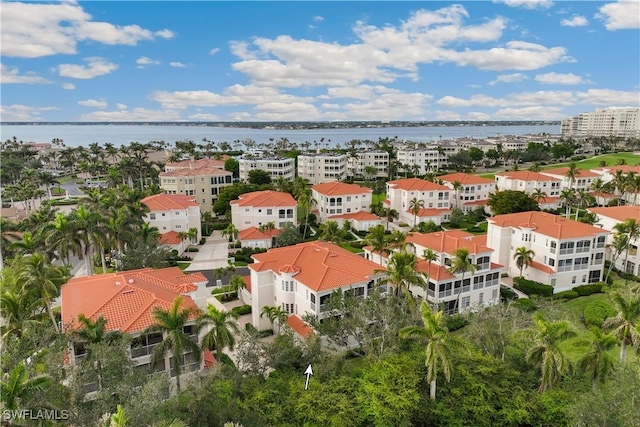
(117, 283)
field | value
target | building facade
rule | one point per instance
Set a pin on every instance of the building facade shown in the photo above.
(337, 198)
(436, 200)
(429, 159)
(629, 260)
(375, 161)
(322, 167)
(277, 167)
(620, 122)
(474, 191)
(261, 207)
(173, 212)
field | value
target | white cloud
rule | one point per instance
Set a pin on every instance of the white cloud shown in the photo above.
(527, 4)
(12, 75)
(205, 117)
(23, 113)
(68, 86)
(508, 78)
(608, 97)
(97, 67)
(58, 28)
(575, 21)
(318, 18)
(214, 51)
(177, 64)
(514, 99)
(559, 79)
(621, 15)
(121, 106)
(135, 115)
(143, 61)
(94, 103)
(475, 115)
(530, 113)
(447, 115)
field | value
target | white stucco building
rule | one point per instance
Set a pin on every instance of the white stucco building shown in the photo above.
(322, 167)
(261, 207)
(608, 217)
(277, 167)
(582, 181)
(474, 192)
(172, 214)
(337, 198)
(376, 159)
(429, 159)
(622, 122)
(437, 200)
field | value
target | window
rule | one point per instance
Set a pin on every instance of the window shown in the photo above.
(553, 247)
(288, 308)
(287, 285)
(566, 248)
(599, 258)
(269, 211)
(466, 302)
(348, 198)
(583, 246)
(478, 282)
(601, 242)
(573, 280)
(480, 297)
(152, 216)
(552, 262)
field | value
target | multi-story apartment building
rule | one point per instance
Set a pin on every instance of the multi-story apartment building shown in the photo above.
(261, 207)
(437, 200)
(202, 178)
(621, 122)
(322, 167)
(126, 300)
(378, 160)
(608, 173)
(609, 217)
(277, 167)
(530, 182)
(337, 198)
(453, 292)
(429, 159)
(582, 180)
(301, 278)
(173, 212)
(474, 192)
(568, 253)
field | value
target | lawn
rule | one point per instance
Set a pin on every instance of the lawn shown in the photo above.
(378, 198)
(487, 175)
(594, 162)
(183, 265)
(351, 248)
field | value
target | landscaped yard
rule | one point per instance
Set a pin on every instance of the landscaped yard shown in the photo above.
(375, 198)
(183, 265)
(594, 162)
(351, 248)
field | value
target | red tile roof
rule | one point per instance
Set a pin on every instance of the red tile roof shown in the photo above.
(265, 199)
(337, 188)
(448, 241)
(416, 184)
(209, 360)
(430, 212)
(549, 200)
(252, 233)
(480, 239)
(547, 224)
(195, 172)
(541, 267)
(476, 203)
(527, 176)
(323, 266)
(358, 216)
(619, 213)
(299, 326)
(466, 179)
(436, 272)
(247, 283)
(199, 164)
(170, 238)
(563, 171)
(167, 202)
(126, 299)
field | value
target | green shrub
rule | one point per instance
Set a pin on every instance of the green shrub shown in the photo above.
(192, 250)
(359, 244)
(243, 309)
(594, 288)
(571, 294)
(455, 322)
(507, 293)
(226, 360)
(525, 304)
(530, 287)
(219, 225)
(403, 224)
(578, 158)
(265, 333)
(202, 241)
(596, 312)
(250, 328)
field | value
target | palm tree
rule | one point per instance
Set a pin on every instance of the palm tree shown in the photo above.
(390, 214)
(461, 264)
(231, 232)
(16, 387)
(625, 325)
(171, 323)
(401, 272)
(568, 197)
(94, 331)
(631, 229)
(597, 362)
(61, 237)
(524, 258)
(572, 173)
(331, 232)
(89, 226)
(440, 344)
(618, 246)
(19, 312)
(538, 195)
(415, 205)
(545, 351)
(276, 315)
(457, 186)
(378, 240)
(220, 326)
(305, 200)
(535, 167)
(429, 255)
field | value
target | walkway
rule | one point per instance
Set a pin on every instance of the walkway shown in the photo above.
(508, 282)
(213, 254)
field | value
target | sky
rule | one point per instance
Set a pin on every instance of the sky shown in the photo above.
(317, 61)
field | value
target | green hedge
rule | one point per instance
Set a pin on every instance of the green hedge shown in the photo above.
(571, 294)
(596, 312)
(530, 287)
(594, 288)
(525, 304)
(455, 322)
(219, 225)
(243, 309)
(192, 250)
(507, 293)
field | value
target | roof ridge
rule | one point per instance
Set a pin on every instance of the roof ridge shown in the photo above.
(117, 291)
(134, 318)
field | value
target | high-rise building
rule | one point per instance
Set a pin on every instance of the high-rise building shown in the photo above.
(623, 122)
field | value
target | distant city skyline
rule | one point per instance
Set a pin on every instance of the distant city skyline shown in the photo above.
(317, 61)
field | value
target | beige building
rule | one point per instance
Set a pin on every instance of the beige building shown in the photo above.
(436, 198)
(622, 122)
(376, 159)
(322, 167)
(277, 167)
(337, 198)
(261, 207)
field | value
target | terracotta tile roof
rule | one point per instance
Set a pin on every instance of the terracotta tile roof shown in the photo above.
(541, 267)
(247, 283)
(299, 326)
(476, 203)
(323, 266)
(209, 360)
(288, 268)
(199, 164)
(448, 241)
(265, 199)
(480, 239)
(549, 200)
(430, 212)
(436, 272)
(582, 173)
(466, 179)
(416, 184)
(167, 202)
(252, 233)
(195, 172)
(126, 299)
(337, 188)
(358, 216)
(527, 176)
(170, 238)
(619, 213)
(547, 224)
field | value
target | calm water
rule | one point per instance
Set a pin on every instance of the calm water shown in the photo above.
(74, 135)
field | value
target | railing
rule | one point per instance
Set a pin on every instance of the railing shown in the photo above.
(566, 251)
(483, 266)
(142, 351)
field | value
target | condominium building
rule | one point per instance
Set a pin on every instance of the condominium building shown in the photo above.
(322, 167)
(301, 278)
(530, 183)
(202, 178)
(376, 161)
(582, 180)
(337, 198)
(435, 198)
(277, 167)
(261, 207)
(568, 253)
(621, 122)
(454, 292)
(608, 218)
(630, 194)
(473, 193)
(172, 214)
(430, 159)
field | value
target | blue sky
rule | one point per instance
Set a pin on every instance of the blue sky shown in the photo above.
(317, 61)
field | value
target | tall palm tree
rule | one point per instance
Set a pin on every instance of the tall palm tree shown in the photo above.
(545, 351)
(390, 214)
(378, 240)
(538, 195)
(631, 229)
(220, 326)
(597, 362)
(440, 345)
(89, 226)
(625, 325)
(331, 232)
(524, 258)
(461, 264)
(61, 236)
(401, 273)
(17, 387)
(415, 205)
(171, 323)
(276, 316)
(19, 312)
(568, 197)
(457, 186)
(572, 173)
(305, 200)
(618, 247)
(231, 232)
(429, 255)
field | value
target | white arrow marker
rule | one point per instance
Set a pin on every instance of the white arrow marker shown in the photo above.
(308, 372)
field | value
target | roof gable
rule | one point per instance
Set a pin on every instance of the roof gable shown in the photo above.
(265, 198)
(167, 202)
(547, 224)
(337, 188)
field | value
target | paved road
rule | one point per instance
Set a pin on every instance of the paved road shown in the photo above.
(72, 188)
(213, 254)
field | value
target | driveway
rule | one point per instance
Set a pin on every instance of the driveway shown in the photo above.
(213, 254)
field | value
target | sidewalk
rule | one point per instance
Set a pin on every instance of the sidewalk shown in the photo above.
(508, 282)
(213, 254)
